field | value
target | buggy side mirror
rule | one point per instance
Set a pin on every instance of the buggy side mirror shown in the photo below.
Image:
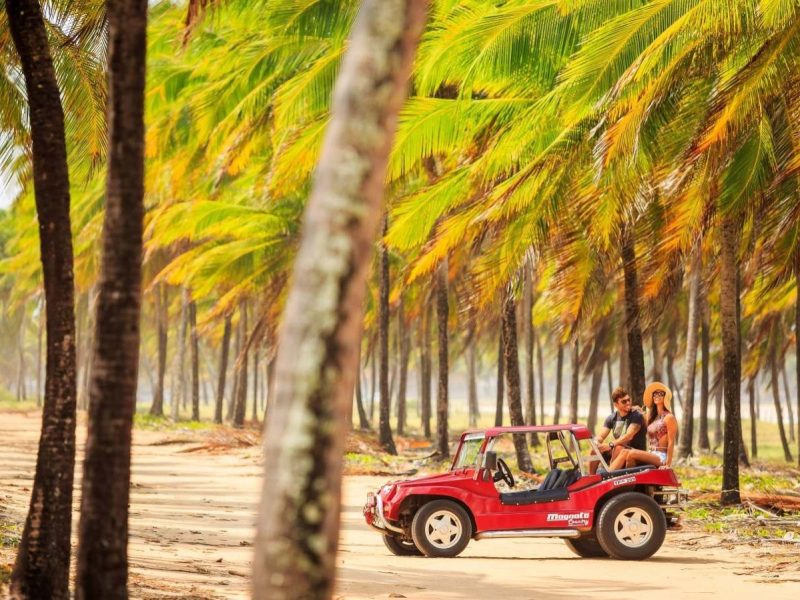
(490, 461)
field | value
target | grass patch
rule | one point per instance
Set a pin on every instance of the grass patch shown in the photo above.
(10, 535)
(153, 423)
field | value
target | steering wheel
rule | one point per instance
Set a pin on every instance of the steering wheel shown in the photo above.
(505, 472)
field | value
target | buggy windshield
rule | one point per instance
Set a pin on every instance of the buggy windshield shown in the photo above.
(468, 454)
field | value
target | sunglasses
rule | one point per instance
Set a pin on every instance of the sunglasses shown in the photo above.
(662, 394)
(624, 401)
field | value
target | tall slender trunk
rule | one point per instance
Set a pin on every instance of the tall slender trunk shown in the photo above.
(705, 342)
(609, 381)
(624, 371)
(426, 369)
(363, 422)
(559, 372)
(718, 386)
(511, 352)
(732, 366)
(254, 404)
(501, 379)
(195, 359)
(160, 294)
(223, 370)
(384, 423)
(103, 532)
(594, 394)
(472, 378)
(240, 408)
(324, 309)
(22, 394)
(632, 326)
(442, 398)
(373, 365)
(405, 352)
(672, 348)
(179, 400)
(238, 345)
(527, 327)
(788, 396)
(39, 361)
(658, 373)
(41, 570)
(797, 348)
(776, 398)
(540, 366)
(751, 393)
(690, 362)
(575, 382)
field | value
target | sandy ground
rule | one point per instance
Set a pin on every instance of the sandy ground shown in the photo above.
(192, 516)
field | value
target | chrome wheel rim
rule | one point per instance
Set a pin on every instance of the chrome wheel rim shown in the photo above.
(443, 529)
(633, 527)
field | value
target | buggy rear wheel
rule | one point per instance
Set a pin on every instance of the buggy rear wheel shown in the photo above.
(631, 526)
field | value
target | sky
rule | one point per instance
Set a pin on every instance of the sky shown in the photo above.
(8, 189)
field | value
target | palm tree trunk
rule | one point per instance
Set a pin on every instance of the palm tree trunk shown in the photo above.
(573, 389)
(511, 352)
(254, 412)
(472, 379)
(39, 361)
(672, 345)
(732, 366)
(223, 370)
(540, 366)
(237, 346)
(527, 327)
(405, 353)
(21, 392)
(690, 362)
(751, 393)
(797, 348)
(705, 342)
(324, 309)
(632, 326)
(609, 381)
(384, 424)
(426, 369)
(501, 379)
(240, 408)
(718, 405)
(373, 365)
(788, 396)
(41, 570)
(179, 400)
(594, 394)
(559, 372)
(103, 532)
(776, 398)
(195, 359)
(442, 398)
(363, 422)
(624, 371)
(157, 407)
(658, 372)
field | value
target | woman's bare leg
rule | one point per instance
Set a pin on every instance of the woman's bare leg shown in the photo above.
(619, 460)
(634, 456)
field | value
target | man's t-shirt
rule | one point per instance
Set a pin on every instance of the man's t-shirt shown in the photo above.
(619, 425)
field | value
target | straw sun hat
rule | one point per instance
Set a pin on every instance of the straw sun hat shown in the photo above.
(654, 387)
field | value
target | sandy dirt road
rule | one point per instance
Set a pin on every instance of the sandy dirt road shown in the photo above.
(192, 520)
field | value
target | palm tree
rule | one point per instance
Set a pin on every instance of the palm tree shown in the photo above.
(103, 532)
(42, 566)
(324, 308)
(511, 353)
(442, 397)
(385, 427)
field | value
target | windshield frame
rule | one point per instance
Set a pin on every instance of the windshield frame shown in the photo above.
(470, 442)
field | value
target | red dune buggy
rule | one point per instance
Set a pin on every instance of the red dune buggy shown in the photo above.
(623, 514)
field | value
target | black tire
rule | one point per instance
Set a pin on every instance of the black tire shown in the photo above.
(449, 542)
(614, 530)
(400, 547)
(586, 547)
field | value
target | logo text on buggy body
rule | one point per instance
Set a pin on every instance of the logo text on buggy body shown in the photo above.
(624, 481)
(566, 516)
